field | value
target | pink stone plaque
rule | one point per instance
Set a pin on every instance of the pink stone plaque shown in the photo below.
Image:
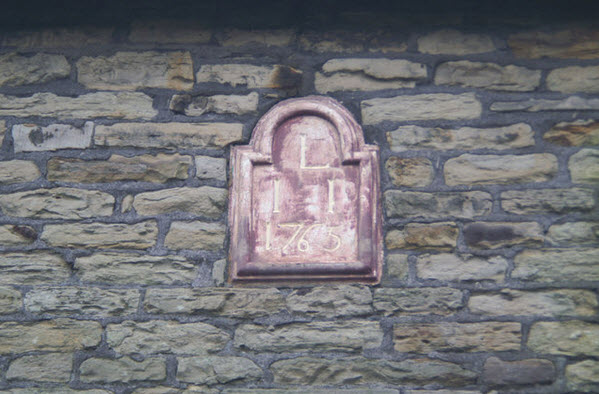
(305, 198)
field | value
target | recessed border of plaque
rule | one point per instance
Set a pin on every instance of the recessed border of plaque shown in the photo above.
(366, 267)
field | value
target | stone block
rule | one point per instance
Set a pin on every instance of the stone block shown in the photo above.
(546, 201)
(567, 338)
(431, 236)
(211, 370)
(583, 376)
(204, 201)
(195, 235)
(10, 300)
(168, 31)
(211, 168)
(33, 268)
(574, 79)
(15, 235)
(584, 166)
(581, 233)
(461, 268)
(337, 41)
(58, 37)
(571, 103)
(140, 235)
(557, 265)
(218, 104)
(331, 301)
(397, 266)
(497, 372)
(453, 42)
(219, 271)
(268, 38)
(410, 171)
(493, 235)
(33, 138)
(251, 76)
(491, 76)
(400, 204)
(16, 70)
(122, 370)
(18, 171)
(579, 43)
(417, 301)
(578, 133)
(52, 367)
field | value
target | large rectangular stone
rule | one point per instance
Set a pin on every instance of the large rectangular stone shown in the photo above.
(557, 265)
(218, 104)
(578, 133)
(122, 370)
(487, 76)
(410, 171)
(583, 376)
(238, 38)
(493, 235)
(574, 79)
(32, 268)
(254, 77)
(102, 235)
(52, 367)
(567, 338)
(211, 370)
(581, 233)
(424, 236)
(328, 301)
(418, 301)
(401, 204)
(497, 372)
(18, 70)
(63, 37)
(577, 43)
(168, 31)
(571, 103)
(15, 235)
(543, 201)
(584, 166)
(462, 268)
(454, 42)
(204, 201)
(33, 138)
(18, 171)
(195, 235)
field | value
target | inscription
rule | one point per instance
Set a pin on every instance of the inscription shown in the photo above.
(298, 240)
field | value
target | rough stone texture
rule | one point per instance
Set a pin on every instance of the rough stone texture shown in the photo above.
(572, 43)
(164, 31)
(313, 390)
(91, 301)
(584, 166)
(569, 338)
(202, 201)
(33, 138)
(58, 37)
(219, 269)
(346, 336)
(426, 300)
(121, 105)
(165, 337)
(578, 133)
(453, 42)
(543, 201)
(18, 171)
(410, 172)
(53, 367)
(337, 301)
(557, 265)
(583, 376)
(566, 234)
(122, 370)
(358, 370)
(195, 235)
(169, 135)
(334, 41)
(213, 370)
(487, 76)
(397, 266)
(456, 337)
(57, 335)
(535, 303)
(101, 235)
(10, 300)
(237, 38)
(469, 169)
(348, 81)
(15, 235)
(437, 205)
(32, 268)
(518, 135)
(238, 302)
(218, 104)
(254, 77)
(462, 268)
(133, 268)
(53, 390)
(493, 235)
(536, 105)
(211, 168)
(421, 107)
(435, 236)
(18, 70)
(134, 70)
(574, 79)
(2, 130)
(158, 168)
(497, 372)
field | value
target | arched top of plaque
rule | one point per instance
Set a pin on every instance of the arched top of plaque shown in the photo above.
(305, 198)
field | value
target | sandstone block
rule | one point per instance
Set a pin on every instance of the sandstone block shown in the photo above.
(453, 42)
(421, 107)
(543, 201)
(462, 268)
(572, 43)
(493, 235)
(497, 372)
(18, 171)
(18, 70)
(536, 105)
(10, 300)
(161, 336)
(15, 235)
(337, 301)
(433, 236)
(583, 376)
(33, 138)
(219, 269)
(101, 235)
(211, 168)
(416, 301)
(213, 370)
(254, 77)
(54, 390)
(135, 70)
(122, 370)
(397, 266)
(583, 233)
(58, 37)
(169, 135)
(584, 166)
(577, 133)
(168, 31)
(456, 337)
(411, 172)
(347, 81)
(195, 235)
(218, 104)
(557, 265)
(53, 367)
(574, 79)
(437, 205)
(487, 76)
(32, 268)
(333, 41)
(312, 389)
(199, 201)
(535, 303)
(237, 38)
(569, 338)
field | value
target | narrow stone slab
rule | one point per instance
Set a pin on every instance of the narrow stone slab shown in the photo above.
(58, 37)
(218, 104)
(18, 171)
(583, 376)
(53, 367)
(339, 41)
(32, 268)
(577, 43)
(202, 201)
(557, 265)
(195, 235)
(584, 166)
(337, 301)
(15, 235)
(543, 201)
(10, 300)
(32, 138)
(417, 301)
(487, 76)
(18, 70)
(577, 133)
(535, 105)
(493, 235)
(410, 171)
(581, 233)
(168, 31)
(101, 235)
(497, 372)
(435, 236)
(213, 370)
(574, 79)
(569, 338)
(122, 370)
(254, 77)
(445, 204)
(453, 42)
(462, 268)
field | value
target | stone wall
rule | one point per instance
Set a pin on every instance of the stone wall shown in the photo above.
(113, 193)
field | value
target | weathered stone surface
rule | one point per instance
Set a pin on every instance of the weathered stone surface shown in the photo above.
(53, 367)
(493, 235)
(337, 301)
(81, 301)
(203, 201)
(213, 370)
(426, 300)
(135, 70)
(470, 169)
(583, 376)
(165, 31)
(397, 266)
(518, 135)
(536, 105)
(2, 130)
(254, 77)
(535, 303)
(195, 235)
(574, 79)
(57, 203)
(462, 268)
(218, 104)
(237, 38)
(359, 370)
(101, 235)
(58, 37)
(543, 201)
(18, 171)
(421, 107)
(572, 43)
(557, 265)
(444, 392)
(211, 168)
(346, 336)
(438, 205)
(57, 335)
(436, 236)
(157, 168)
(18, 70)
(169, 135)
(161, 336)
(456, 337)
(15, 235)
(577, 133)
(332, 41)
(32, 268)
(238, 302)
(569, 338)
(33, 138)
(497, 372)
(566, 234)
(219, 270)
(347, 81)
(121, 105)
(53, 390)
(487, 76)
(122, 370)
(410, 171)
(10, 300)
(453, 42)
(313, 390)
(584, 166)
(132, 268)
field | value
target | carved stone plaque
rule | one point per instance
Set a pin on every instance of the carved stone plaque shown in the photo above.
(305, 198)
